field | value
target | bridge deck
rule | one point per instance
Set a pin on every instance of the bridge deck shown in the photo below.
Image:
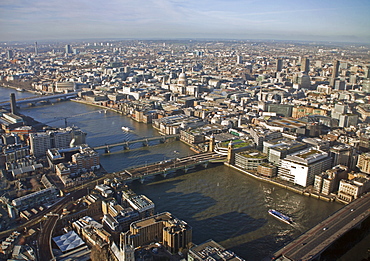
(41, 98)
(124, 143)
(170, 165)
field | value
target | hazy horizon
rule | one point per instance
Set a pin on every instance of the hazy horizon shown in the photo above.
(52, 20)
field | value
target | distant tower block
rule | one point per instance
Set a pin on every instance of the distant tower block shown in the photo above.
(36, 51)
(13, 104)
(279, 65)
(335, 72)
(305, 65)
(239, 59)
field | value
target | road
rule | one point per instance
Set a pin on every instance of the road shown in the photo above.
(44, 241)
(312, 243)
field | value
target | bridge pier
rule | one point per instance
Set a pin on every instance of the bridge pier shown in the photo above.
(163, 140)
(164, 174)
(205, 164)
(142, 180)
(107, 149)
(126, 146)
(146, 143)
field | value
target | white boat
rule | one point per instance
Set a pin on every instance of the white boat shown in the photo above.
(127, 129)
(280, 216)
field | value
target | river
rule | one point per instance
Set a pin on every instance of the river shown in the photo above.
(219, 203)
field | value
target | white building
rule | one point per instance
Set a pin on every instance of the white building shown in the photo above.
(301, 167)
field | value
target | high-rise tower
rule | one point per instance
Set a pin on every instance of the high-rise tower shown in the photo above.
(279, 65)
(335, 72)
(305, 67)
(36, 51)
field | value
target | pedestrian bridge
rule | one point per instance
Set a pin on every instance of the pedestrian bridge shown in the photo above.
(144, 141)
(34, 100)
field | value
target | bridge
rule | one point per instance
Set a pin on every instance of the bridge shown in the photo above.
(34, 100)
(144, 141)
(170, 166)
(311, 244)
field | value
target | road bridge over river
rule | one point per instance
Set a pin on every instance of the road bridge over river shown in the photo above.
(311, 244)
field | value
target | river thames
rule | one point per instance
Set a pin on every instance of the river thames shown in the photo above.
(219, 203)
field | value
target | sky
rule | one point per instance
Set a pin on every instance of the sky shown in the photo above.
(309, 20)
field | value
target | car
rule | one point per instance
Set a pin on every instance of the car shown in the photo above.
(325, 228)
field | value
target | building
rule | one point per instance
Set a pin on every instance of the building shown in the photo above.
(267, 170)
(335, 71)
(278, 149)
(38, 197)
(140, 203)
(210, 250)
(260, 135)
(68, 49)
(174, 234)
(86, 159)
(250, 160)
(341, 155)
(305, 66)
(301, 167)
(40, 142)
(279, 65)
(350, 190)
(328, 181)
(284, 110)
(301, 111)
(363, 162)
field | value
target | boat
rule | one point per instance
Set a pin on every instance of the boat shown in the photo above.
(280, 216)
(125, 128)
(20, 90)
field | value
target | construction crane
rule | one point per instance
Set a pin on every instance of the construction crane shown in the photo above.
(73, 116)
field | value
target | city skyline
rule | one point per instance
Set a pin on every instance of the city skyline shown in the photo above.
(170, 19)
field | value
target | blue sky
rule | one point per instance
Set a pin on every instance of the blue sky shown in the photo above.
(327, 20)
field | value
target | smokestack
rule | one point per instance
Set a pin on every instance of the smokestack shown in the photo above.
(13, 105)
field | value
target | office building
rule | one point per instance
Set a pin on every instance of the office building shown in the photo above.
(68, 49)
(9, 54)
(328, 181)
(335, 72)
(267, 170)
(210, 250)
(350, 190)
(174, 234)
(284, 110)
(305, 66)
(250, 160)
(278, 149)
(239, 59)
(40, 142)
(301, 167)
(363, 162)
(279, 65)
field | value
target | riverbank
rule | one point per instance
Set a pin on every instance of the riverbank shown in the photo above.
(285, 185)
(280, 183)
